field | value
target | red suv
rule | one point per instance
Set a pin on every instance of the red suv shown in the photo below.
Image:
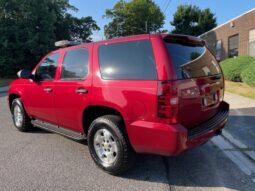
(158, 94)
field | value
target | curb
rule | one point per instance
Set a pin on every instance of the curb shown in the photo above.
(235, 154)
(4, 89)
(237, 143)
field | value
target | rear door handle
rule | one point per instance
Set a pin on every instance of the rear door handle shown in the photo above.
(48, 89)
(81, 91)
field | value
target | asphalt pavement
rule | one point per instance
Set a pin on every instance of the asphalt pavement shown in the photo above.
(242, 119)
(40, 160)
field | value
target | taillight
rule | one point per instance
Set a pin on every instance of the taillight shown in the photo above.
(191, 92)
(168, 101)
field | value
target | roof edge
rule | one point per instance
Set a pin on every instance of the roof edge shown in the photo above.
(237, 17)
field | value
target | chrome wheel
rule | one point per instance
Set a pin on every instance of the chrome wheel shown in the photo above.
(105, 146)
(18, 116)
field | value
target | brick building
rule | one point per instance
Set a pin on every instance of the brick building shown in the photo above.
(233, 38)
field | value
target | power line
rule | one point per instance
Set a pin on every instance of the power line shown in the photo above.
(164, 4)
(167, 5)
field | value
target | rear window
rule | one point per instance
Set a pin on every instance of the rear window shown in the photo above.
(192, 60)
(127, 61)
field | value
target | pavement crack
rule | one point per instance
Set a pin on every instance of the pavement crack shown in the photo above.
(166, 165)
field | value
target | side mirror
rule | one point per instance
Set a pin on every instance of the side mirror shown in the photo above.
(25, 74)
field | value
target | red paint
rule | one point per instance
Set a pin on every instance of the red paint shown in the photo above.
(135, 100)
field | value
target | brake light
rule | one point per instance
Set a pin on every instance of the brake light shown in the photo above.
(168, 101)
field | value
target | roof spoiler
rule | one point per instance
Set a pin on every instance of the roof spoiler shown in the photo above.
(184, 39)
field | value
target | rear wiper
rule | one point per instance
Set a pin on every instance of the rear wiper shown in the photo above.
(216, 77)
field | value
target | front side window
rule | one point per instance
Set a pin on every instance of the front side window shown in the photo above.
(233, 42)
(47, 69)
(75, 64)
(127, 61)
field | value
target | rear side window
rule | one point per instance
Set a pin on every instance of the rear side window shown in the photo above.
(47, 69)
(192, 60)
(127, 61)
(75, 64)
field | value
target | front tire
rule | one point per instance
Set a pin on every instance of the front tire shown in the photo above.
(109, 146)
(19, 116)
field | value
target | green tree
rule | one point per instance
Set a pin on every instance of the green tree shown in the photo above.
(29, 28)
(81, 28)
(191, 20)
(133, 17)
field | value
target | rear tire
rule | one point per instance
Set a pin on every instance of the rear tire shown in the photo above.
(109, 146)
(19, 116)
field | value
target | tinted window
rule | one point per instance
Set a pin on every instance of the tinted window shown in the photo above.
(192, 61)
(75, 65)
(47, 69)
(127, 60)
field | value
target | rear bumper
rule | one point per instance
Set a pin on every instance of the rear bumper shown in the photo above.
(169, 140)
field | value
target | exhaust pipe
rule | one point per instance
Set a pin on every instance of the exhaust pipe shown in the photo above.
(219, 132)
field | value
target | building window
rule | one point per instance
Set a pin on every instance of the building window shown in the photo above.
(233, 42)
(252, 42)
(218, 50)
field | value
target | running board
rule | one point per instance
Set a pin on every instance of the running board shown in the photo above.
(59, 130)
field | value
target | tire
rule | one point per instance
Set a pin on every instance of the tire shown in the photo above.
(109, 146)
(19, 116)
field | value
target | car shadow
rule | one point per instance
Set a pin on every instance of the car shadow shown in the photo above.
(202, 168)
(241, 125)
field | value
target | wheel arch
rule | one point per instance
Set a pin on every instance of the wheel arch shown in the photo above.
(12, 97)
(94, 111)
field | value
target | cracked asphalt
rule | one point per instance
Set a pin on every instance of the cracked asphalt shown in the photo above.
(39, 160)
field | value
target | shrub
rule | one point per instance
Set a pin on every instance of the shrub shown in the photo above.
(233, 67)
(248, 76)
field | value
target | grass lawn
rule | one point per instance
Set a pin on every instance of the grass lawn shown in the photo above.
(5, 82)
(240, 88)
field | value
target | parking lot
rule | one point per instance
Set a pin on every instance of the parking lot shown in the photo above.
(39, 160)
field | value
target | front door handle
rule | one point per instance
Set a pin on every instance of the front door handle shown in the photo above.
(81, 91)
(48, 89)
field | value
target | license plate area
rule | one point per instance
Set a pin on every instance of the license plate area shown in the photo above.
(210, 99)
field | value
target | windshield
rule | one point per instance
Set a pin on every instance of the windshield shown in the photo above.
(192, 60)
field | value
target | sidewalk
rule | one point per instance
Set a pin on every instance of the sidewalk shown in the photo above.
(4, 89)
(240, 129)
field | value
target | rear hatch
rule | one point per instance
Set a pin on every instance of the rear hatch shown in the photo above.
(199, 80)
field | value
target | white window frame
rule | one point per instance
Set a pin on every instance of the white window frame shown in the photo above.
(251, 40)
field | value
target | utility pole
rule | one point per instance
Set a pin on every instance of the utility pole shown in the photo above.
(146, 26)
(118, 30)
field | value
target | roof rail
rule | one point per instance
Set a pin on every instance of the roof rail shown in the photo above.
(67, 43)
